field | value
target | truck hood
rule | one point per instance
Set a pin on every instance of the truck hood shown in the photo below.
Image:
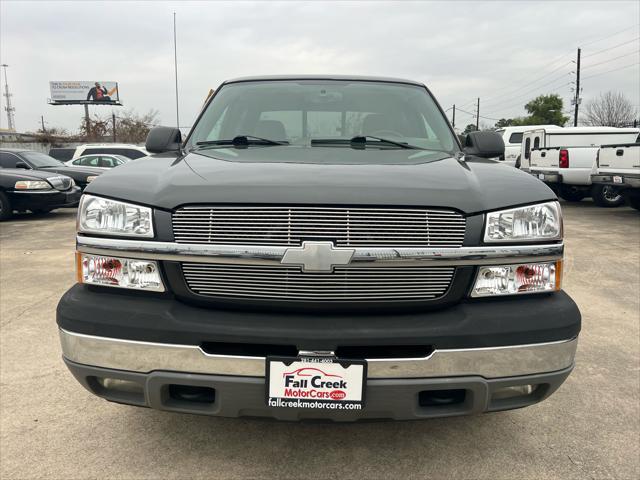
(327, 176)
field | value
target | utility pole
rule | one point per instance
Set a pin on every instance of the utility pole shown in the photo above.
(175, 67)
(478, 116)
(87, 121)
(11, 122)
(454, 116)
(113, 126)
(44, 130)
(577, 98)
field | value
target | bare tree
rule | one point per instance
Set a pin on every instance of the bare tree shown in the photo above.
(130, 127)
(610, 109)
(133, 128)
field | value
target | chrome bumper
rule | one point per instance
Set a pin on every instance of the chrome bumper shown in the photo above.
(144, 357)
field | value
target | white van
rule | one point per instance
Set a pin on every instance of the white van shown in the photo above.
(512, 137)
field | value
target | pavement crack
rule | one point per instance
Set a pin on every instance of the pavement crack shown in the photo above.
(30, 307)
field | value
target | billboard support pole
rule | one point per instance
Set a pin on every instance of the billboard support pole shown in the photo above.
(113, 126)
(87, 120)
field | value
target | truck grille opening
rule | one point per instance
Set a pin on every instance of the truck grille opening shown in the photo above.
(249, 349)
(345, 226)
(384, 351)
(192, 394)
(344, 284)
(441, 398)
(358, 352)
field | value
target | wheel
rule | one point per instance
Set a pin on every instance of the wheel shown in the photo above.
(5, 207)
(518, 162)
(571, 194)
(606, 196)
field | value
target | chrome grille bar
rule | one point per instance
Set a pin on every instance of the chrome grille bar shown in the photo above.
(343, 284)
(345, 226)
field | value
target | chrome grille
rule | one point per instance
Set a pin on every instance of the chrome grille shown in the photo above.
(345, 226)
(352, 284)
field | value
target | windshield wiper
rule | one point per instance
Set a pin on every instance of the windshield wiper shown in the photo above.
(361, 142)
(241, 141)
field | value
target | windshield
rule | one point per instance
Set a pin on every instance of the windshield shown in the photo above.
(298, 112)
(38, 160)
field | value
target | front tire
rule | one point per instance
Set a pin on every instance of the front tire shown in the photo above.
(5, 207)
(571, 194)
(606, 196)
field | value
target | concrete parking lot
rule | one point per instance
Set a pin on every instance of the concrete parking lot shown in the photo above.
(52, 428)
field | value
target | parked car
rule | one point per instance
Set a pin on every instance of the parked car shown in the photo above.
(564, 158)
(30, 160)
(102, 161)
(130, 151)
(35, 190)
(618, 166)
(320, 247)
(512, 137)
(62, 153)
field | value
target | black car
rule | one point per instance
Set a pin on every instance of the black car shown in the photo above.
(31, 160)
(35, 190)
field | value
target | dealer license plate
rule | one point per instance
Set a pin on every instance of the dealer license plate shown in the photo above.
(316, 382)
(617, 179)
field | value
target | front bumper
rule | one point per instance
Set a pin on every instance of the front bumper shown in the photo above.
(240, 396)
(49, 199)
(394, 386)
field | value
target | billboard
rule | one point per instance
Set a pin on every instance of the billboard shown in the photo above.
(89, 92)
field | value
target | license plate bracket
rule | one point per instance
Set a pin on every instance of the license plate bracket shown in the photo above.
(315, 382)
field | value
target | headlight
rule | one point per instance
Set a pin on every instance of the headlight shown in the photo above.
(512, 279)
(91, 178)
(534, 222)
(32, 185)
(119, 272)
(110, 217)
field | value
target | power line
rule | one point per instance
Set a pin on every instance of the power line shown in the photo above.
(509, 96)
(475, 114)
(614, 70)
(611, 48)
(612, 59)
(528, 92)
(531, 82)
(536, 80)
(519, 102)
(637, 25)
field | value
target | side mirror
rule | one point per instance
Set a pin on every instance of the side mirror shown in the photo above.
(484, 144)
(22, 165)
(163, 139)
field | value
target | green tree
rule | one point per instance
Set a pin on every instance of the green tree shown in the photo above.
(469, 128)
(545, 110)
(504, 122)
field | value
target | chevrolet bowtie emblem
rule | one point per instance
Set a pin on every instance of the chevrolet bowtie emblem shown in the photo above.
(317, 256)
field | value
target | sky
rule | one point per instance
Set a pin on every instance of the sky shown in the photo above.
(506, 53)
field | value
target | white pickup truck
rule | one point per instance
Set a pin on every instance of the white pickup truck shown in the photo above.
(564, 159)
(619, 166)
